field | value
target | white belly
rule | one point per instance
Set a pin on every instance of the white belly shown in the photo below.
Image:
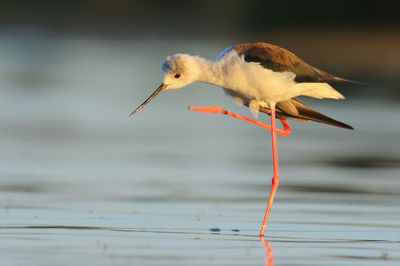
(256, 83)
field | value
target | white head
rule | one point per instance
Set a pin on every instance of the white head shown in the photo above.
(179, 71)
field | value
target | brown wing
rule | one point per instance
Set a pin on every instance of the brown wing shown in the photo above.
(296, 110)
(280, 60)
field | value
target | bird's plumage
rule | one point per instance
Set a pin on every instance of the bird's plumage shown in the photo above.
(279, 59)
(260, 76)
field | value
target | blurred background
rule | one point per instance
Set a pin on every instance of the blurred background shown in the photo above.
(72, 71)
(345, 37)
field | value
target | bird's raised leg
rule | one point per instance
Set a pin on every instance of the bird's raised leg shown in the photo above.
(275, 179)
(217, 110)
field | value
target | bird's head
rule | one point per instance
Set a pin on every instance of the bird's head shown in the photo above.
(179, 71)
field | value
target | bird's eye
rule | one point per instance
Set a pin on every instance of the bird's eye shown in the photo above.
(177, 75)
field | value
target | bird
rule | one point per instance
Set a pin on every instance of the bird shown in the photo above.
(264, 77)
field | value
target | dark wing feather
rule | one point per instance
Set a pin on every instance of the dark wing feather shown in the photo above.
(295, 110)
(280, 60)
(303, 114)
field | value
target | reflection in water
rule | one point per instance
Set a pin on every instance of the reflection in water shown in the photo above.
(269, 260)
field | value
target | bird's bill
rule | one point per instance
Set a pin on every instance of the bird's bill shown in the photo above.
(162, 86)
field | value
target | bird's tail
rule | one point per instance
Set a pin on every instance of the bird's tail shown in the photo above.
(317, 90)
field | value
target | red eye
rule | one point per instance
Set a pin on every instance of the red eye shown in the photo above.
(177, 75)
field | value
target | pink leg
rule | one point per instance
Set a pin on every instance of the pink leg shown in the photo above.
(217, 110)
(274, 131)
(275, 179)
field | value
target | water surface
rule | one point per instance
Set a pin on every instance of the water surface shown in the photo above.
(81, 183)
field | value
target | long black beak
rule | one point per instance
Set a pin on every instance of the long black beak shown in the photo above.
(162, 86)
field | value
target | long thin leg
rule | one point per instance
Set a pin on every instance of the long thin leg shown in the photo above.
(217, 110)
(275, 179)
(274, 131)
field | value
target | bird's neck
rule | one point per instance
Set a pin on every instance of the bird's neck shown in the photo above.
(209, 71)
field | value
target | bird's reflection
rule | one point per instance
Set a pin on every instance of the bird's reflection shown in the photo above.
(269, 260)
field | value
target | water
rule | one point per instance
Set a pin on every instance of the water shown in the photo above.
(82, 184)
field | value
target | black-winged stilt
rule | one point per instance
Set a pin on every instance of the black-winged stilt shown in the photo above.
(265, 78)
